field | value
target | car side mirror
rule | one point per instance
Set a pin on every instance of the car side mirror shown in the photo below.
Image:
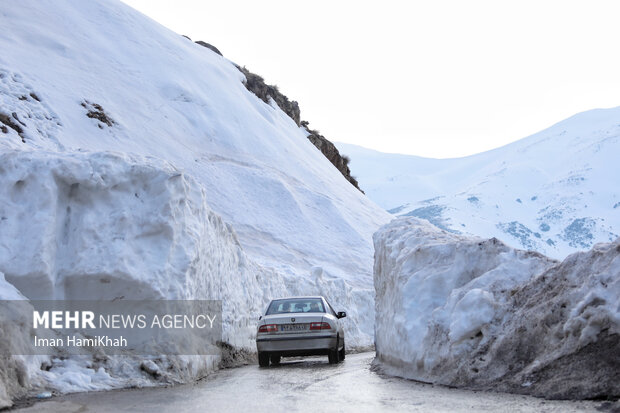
(342, 314)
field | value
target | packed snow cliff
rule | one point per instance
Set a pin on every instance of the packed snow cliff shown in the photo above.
(475, 313)
(136, 164)
(112, 226)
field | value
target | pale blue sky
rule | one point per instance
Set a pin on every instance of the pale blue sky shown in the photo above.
(431, 78)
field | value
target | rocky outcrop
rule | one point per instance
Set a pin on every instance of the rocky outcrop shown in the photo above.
(208, 46)
(256, 84)
(330, 151)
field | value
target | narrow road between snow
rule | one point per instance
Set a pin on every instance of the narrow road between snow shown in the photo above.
(304, 385)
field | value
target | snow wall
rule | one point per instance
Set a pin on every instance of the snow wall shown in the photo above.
(475, 313)
(115, 226)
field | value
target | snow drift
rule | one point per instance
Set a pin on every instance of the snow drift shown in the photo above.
(476, 313)
(555, 192)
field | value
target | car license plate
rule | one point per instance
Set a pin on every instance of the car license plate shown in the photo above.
(293, 327)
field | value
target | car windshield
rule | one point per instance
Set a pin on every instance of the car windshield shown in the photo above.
(296, 305)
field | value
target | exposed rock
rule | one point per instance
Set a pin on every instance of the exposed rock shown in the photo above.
(208, 46)
(433, 214)
(256, 84)
(23, 113)
(95, 111)
(332, 154)
(10, 122)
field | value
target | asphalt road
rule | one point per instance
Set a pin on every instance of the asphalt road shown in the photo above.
(309, 385)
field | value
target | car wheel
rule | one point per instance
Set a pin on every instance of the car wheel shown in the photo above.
(341, 353)
(334, 354)
(275, 359)
(263, 359)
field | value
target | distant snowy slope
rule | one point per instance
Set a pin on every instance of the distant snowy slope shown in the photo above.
(555, 192)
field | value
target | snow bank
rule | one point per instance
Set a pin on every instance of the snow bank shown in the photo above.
(111, 226)
(471, 312)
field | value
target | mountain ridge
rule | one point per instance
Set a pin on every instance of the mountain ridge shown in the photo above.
(552, 191)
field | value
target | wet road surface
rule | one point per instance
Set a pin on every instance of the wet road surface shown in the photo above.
(308, 385)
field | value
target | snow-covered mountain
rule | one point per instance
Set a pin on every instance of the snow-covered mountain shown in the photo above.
(137, 164)
(556, 191)
(99, 76)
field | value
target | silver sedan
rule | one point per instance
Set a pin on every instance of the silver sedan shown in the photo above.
(300, 326)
